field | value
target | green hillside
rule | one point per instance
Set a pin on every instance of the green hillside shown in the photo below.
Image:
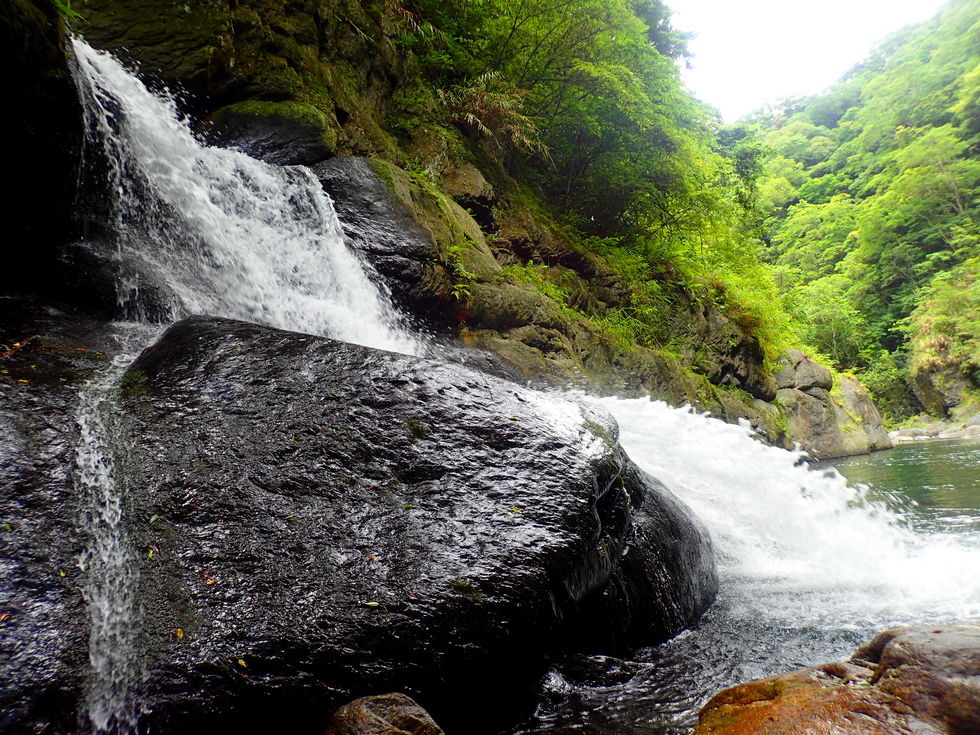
(869, 201)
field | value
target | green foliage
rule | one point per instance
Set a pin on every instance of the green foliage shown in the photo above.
(582, 101)
(870, 200)
(461, 278)
(539, 277)
(945, 327)
(63, 8)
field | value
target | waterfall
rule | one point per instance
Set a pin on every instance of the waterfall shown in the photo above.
(109, 559)
(799, 544)
(216, 232)
(225, 234)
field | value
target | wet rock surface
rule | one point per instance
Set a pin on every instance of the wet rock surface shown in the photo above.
(45, 358)
(923, 680)
(284, 134)
(383, 714)
(394, 244)
(327, 521)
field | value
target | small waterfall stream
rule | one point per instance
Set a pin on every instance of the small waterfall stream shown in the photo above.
(220, 233)
(109, 559)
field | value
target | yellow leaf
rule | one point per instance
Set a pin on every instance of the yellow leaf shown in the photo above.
(179, 632)
(241, 662)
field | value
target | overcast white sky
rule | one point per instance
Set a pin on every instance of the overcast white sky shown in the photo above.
(749, 52)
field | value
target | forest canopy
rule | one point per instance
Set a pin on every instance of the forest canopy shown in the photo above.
(869, 199)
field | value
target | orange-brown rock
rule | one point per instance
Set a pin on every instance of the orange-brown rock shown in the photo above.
(920, 681)
(383, 714)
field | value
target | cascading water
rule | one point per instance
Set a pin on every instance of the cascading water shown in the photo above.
(226, 234)
(109, 559)
(218, 233)
(809, 566)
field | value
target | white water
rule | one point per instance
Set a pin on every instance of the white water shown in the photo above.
(109, 558)
(800, 546)
(230, 236)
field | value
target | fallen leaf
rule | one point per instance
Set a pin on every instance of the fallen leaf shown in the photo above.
(179, 633)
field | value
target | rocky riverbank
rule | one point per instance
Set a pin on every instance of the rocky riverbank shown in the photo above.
(466, 247)
(908, 680)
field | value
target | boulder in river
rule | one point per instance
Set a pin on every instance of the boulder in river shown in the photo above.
(923, 680)
(322, 521)
(382, 714)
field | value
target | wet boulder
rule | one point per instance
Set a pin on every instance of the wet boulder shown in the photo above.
(46, 357)
(382, 714)
(908, 680)
(321, 521)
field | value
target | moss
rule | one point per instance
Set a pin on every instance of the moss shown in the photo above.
(288, 110)
(465, 589)
(601, 432)
(133, 383)
(416, 430)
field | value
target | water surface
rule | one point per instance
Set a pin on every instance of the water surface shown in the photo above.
(811, 565)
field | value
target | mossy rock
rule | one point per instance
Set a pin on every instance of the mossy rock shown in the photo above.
(284, 133)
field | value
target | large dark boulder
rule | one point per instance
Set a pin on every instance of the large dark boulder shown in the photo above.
(328, 521)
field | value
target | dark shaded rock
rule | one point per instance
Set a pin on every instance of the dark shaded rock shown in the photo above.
(939, 386)
(282, 133)
(43, 127)
(335, 58)
(394, 243)
(908, 681)
(45, 358)
(383, 714)
(338, 520)
(725, 355)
